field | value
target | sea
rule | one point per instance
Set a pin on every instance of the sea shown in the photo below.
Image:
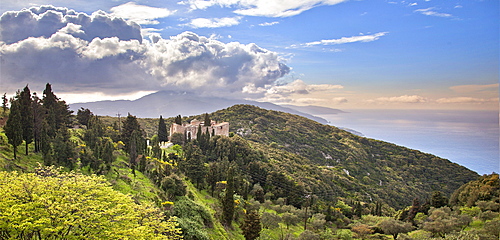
(469, 138)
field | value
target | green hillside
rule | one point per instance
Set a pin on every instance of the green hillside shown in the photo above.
(346, 164)
(277, 176)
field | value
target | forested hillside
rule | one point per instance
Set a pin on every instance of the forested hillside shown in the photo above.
(276, 176)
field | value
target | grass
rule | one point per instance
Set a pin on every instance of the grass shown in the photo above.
(139, 186)
(23, 163)
(205, 200)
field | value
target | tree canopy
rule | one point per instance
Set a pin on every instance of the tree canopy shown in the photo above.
(50, 204)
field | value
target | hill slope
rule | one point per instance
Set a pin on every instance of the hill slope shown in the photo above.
(331, 161)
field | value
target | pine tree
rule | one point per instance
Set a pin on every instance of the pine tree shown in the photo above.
(162, 130)
(129, 126)
(228, 200)
(251, 227)
(13, 128)
(25, 104)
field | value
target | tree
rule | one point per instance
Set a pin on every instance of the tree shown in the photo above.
(228, 200)
(162, 130)
(443, 221)
(38, 117)
(251, 226)
(438, 199)
(129, 126)
(394, 227)
(63, 148)
(55, 205)
(178, 120)
(207, 121)
(361, 230)
(57, 114)
(4, 103)
(83, 116)
(193, 166)
(13, 128)
(290, 219)
(270, 220)
(25, 105)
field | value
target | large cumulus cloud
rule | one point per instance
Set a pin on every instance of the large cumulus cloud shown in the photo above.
(100, 52)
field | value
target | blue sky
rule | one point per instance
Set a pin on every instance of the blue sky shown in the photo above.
(343, 54)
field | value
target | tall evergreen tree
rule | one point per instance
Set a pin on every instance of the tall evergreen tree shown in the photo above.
(83, 116)
(193, 166)
(207, 121)
(251, 226)
(178, 119)
(129, 126)
(58, 114)
(13, 128)
(4, 103)
(63, 149)
(25, 104)
(162, 130)
(228, 201)
(38, 116)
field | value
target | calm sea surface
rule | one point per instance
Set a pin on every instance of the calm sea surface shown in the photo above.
(469, 138)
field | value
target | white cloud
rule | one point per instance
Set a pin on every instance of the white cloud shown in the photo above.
(413, 4)
(265, 24)
(140, 14)
(467, 100)
(102, 53)
(264, 8)
(44, 21)
(343, 40)
(213, 22)
(400, 99)
(430, 12)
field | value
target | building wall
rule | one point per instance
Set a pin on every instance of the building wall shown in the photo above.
(219, 129)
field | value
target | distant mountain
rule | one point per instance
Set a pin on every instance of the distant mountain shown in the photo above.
(170, 104)
(315, 110)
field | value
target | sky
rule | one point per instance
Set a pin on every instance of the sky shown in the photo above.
(346, 54)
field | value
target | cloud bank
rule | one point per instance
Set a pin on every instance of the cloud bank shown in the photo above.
(104, 53)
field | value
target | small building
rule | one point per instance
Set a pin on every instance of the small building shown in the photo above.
(191, 129)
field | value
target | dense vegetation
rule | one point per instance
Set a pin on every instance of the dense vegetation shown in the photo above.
(277, 176)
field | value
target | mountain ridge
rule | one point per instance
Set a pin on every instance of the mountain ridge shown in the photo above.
(170, 104)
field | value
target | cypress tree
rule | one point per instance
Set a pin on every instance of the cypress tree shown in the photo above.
(162, 130)
(13, 128)
(129, 126)
(57, 112)
(207, 121)
(4, 103)
(251, 226)
(26, 109)
(38, 116)
(228, 201)
(178, 119)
